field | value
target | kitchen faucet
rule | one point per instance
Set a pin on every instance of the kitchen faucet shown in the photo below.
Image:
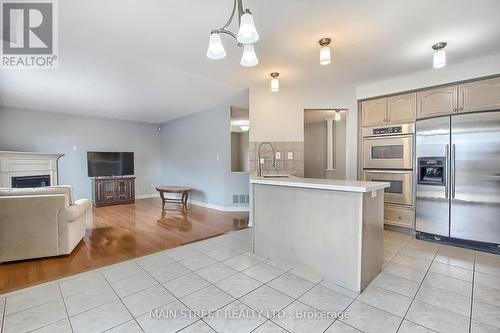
(273, 158)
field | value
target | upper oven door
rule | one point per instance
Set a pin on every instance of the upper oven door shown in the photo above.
(389, 152)
(400, 191)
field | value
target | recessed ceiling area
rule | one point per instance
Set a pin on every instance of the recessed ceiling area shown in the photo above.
(146, 60)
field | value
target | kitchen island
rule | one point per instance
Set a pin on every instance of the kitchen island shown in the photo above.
(329, 228)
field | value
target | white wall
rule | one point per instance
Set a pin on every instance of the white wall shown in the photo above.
(196, 152)
(49, 132)
(486, 66)
(279, 116)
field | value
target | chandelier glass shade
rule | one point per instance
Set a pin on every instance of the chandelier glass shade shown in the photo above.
(215, 47)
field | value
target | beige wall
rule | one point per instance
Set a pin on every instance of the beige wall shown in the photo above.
(279, 116)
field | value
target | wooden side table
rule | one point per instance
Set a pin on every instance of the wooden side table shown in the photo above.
(184, 190)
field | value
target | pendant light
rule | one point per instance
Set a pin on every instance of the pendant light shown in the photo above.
(247, 33)
(337, 115)
(249, 58)
(215, 47)
(439, 57)
(324, 51)
(275, 82)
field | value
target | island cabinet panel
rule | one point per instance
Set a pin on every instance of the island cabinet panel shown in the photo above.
(402, 108)
(341, 228)
(437, 101)
(480, 95)
(374, 112)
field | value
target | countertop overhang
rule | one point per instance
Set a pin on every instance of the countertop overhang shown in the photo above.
(322, 184)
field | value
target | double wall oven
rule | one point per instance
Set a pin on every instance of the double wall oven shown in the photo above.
(388, 157)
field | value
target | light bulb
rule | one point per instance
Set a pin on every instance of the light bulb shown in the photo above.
(324, 55)
(439, 58)
(247, 33)
(215, 47)
(275, 85)
(275, 82)
(337, 115)
(249, 58)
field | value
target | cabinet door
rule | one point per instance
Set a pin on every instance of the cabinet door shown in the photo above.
(122, 190)
(402, 108)
(479, 95)
(374, 112)
(107, 192)
(437, 102)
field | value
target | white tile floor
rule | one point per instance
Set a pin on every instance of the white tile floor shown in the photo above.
(424, 287)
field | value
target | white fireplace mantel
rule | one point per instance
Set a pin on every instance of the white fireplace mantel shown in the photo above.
(19, 164)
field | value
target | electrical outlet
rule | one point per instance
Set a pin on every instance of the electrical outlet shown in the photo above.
(262, 161)
(278, 155)
(75, 148)
(290, 155)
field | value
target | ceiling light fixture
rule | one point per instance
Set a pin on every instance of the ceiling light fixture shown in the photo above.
(337, 115)
(439, 58)
(324, 51)
(246, 37)
(275, 82)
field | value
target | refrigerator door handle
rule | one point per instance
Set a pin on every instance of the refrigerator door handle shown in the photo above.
(446, 154)
(453, 171)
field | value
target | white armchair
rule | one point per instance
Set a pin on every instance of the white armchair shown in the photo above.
(40, 222)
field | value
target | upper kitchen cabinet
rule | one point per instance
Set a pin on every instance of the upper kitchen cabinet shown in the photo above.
(437, 101)
(479, 95)
(374, 112)
(402, 108)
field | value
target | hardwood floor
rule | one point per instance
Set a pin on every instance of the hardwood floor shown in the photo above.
(118, 233)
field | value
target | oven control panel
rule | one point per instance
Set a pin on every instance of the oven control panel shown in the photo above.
(388, 130)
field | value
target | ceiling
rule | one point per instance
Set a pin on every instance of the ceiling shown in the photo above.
(145, 60)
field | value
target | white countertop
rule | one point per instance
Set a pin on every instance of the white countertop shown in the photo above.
(321, 184)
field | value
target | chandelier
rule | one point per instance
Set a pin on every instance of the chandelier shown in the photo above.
(246, 37)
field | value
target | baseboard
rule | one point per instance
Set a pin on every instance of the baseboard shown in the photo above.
(220, 208)
(201, 204)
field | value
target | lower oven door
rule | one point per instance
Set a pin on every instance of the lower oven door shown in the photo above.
(401, 190)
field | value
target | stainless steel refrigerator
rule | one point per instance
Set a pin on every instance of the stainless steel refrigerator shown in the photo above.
(458, 177)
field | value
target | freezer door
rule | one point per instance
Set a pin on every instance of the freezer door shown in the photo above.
(432, 201)
(475, 186)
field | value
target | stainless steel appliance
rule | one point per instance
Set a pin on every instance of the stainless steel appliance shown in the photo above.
(401, 190)
(388, 157)
(458, 178)
(388, 147)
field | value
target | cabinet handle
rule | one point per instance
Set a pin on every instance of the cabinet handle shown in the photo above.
(461, 108)
(455, 110)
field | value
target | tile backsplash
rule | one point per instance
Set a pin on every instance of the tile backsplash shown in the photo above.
(294, 166)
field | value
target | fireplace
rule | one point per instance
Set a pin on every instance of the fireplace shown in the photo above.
(31, 181)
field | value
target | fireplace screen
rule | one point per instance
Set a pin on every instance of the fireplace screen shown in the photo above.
(31, 181)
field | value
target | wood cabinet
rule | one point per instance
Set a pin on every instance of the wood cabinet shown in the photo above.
(437, 101)
(113, 190)
(399, 216)
(389, 110)
(480, 95)
(402, 108)
(374, 112)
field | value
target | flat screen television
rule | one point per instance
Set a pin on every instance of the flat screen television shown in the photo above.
(100, 164)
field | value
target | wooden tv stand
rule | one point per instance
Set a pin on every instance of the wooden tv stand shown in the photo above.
(113, 190)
